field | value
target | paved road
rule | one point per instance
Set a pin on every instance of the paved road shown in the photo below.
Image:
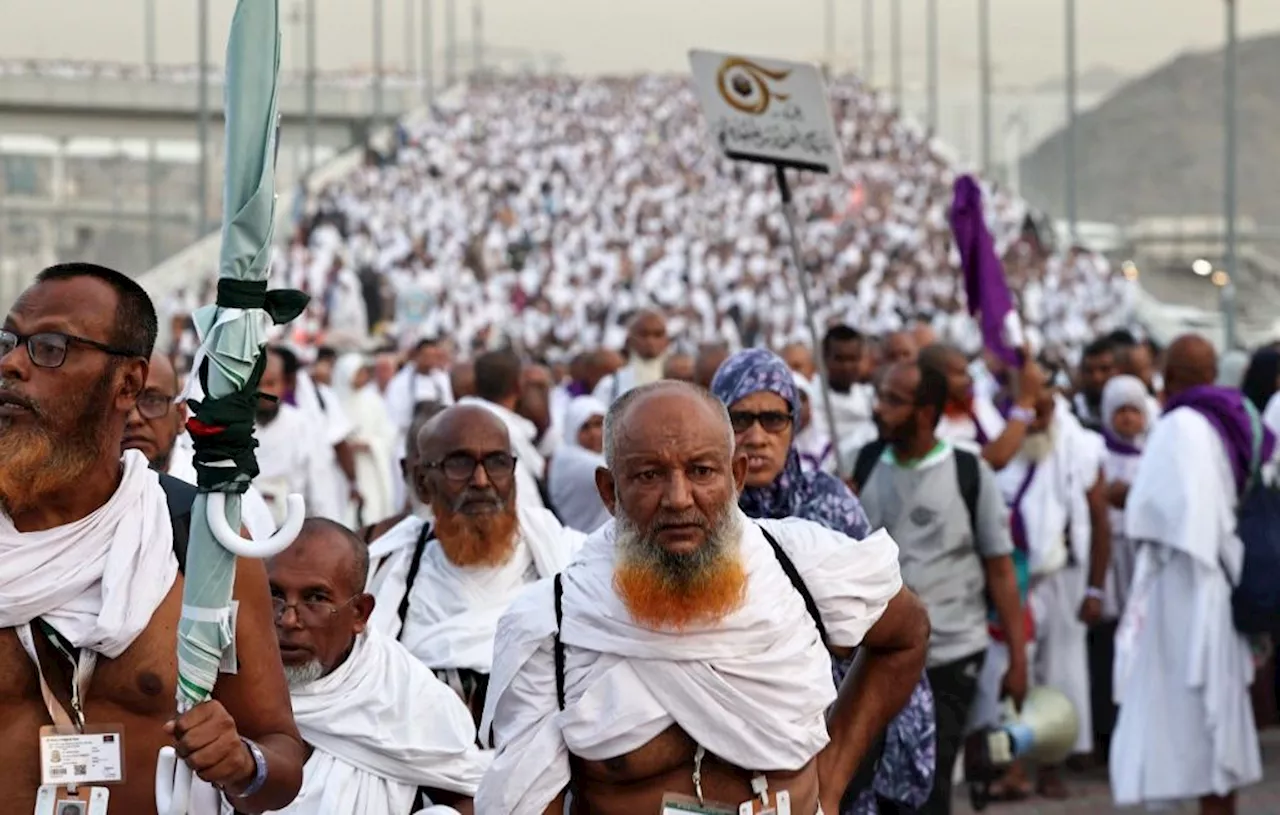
(1092, 795)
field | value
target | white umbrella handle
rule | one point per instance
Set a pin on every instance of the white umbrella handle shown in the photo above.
(238, 546)
(173, 782)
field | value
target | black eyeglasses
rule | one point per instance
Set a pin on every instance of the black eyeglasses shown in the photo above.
(311, 613)
(771, 421)
(154, 405)
(48, 349)
(462, 466)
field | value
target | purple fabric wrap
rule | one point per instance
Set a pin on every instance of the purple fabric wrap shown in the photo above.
(1225, 409)
(984, 283)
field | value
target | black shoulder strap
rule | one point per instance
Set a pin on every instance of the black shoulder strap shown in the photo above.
(414, 565)
(868, 458)
(969, 475)
(559, 646)
(180, 497)
(794, 576)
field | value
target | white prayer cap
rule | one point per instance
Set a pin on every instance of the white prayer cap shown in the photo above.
(1123, 391)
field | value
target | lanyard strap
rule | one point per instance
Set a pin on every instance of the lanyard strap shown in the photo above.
(82, 667)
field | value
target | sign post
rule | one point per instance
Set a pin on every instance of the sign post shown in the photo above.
(775, 112)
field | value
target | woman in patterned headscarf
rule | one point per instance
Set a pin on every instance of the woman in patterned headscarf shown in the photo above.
(760, 392)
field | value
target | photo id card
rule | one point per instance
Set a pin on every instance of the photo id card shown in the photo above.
(69, 758)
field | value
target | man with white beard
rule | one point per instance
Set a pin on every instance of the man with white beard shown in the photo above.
(647, 344)
(443, 576)
(1186, 726)
(384, 736)
(1064, 565)
(674, 666)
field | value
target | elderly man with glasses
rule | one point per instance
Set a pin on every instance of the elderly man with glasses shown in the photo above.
(383, 735)
(443, 576)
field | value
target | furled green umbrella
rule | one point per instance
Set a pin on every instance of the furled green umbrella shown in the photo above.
(229, 365)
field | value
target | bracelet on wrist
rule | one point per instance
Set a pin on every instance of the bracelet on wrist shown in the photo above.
(1022, 414)
(259, 771)
(1095, 593)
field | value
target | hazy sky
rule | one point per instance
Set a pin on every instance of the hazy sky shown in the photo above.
(629, 35)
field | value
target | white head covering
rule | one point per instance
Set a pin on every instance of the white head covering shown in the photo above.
(576, 415)
(571, 478)
(1121, 391)
(344, 375)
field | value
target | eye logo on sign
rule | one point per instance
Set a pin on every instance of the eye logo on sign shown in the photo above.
(745, 86)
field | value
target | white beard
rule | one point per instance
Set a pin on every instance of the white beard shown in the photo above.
(299, 676)
(1037, 447)
(648, 370)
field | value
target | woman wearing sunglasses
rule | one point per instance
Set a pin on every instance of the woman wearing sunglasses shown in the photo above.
(760, 392)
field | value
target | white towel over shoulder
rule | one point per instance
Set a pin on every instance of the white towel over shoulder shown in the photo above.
(98, 580)
(752, 689)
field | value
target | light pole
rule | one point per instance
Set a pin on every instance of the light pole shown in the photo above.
(895, 43)
(377, 64)
(1229, 184)
(931, 48)
(477, 37)
(311, 85)
(153, 181)
(829, 34)
(410, 30)
(984, 70)
(428, 53)
(1070, 140)
(202, 119)
(868, 41)
(450, 43)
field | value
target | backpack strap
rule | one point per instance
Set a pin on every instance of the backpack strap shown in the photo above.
(559, 645)
(969, 476)
(180, 498)
(414, 565)
(868, 458)
(794, 576)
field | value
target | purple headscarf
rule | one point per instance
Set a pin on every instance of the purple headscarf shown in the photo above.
(1226, 410)
(815, 496)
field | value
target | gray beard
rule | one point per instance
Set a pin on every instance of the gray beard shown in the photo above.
(299, 676)
(638, 549)
(647, 371)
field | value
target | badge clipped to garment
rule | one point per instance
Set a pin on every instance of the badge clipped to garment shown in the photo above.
(74, 757)
(676, 804)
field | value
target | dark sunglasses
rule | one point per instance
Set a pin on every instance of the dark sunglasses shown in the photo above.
(771, 421)
(48, 349)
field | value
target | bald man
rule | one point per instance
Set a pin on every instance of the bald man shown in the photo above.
(1186, 726)
(799, 358)
(679, 367)
(444, 576)
(156, 427)
(900, 348)
(674, 657)
(647, 345)
(383, 735)
(710, 357)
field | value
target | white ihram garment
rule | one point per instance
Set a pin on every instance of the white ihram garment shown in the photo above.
(454, 610)
(97, 580)
(1182, 672)
(381, 726)
(752, 689)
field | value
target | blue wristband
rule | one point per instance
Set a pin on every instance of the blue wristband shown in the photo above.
(259, 770)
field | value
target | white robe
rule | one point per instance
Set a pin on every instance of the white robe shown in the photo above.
(97, 580)
(454, 611)
(381, 726)
(962, 431)
(1182, 671)
(372, 428)
(752, 689)
(855, 424)
(291, 460)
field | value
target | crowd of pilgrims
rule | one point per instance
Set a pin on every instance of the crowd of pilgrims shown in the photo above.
(1039, 550)
(542, 213)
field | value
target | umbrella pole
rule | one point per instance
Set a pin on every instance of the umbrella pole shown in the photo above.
(789, 213)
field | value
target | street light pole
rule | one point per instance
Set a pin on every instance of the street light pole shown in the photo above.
(1070, 140)
(829, 34)
(868, 41)
(931, 49)
(153, 180)
(377, 63)
(428, 53)
(895, 42)
(202, 120)
(477, 37)
(1231, 180)
(410, 31)
(984, 68)
(450, 43)
(311, 85)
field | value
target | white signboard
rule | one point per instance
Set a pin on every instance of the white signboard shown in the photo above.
(767, 110)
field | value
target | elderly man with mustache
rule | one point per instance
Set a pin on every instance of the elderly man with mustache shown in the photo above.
(681, 663)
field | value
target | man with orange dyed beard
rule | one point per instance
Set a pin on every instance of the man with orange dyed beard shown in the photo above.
(443, 576)
(681, 662)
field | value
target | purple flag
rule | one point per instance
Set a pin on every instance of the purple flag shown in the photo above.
(1226, 410)
(984, 283)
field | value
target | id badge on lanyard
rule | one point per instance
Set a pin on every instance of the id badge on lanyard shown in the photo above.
(677, 804)
(74, 757)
